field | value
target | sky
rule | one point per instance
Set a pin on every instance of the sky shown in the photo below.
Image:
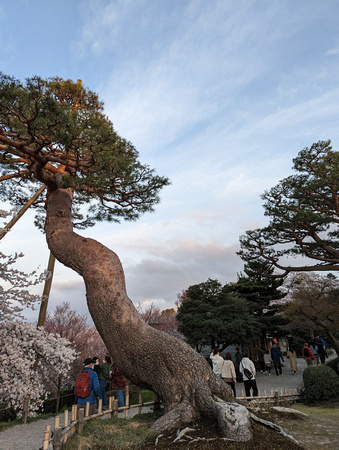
(217, 95)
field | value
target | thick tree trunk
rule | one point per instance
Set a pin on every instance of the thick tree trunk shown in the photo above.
(148, 357)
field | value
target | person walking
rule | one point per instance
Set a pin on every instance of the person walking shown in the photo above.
(292, 357)
(248, 372)
(268, 362)
(276, 357)
(87, 381)
(238, 359)
(307, 354)
(228, 372)
(217, 361)
(314, 349)
(103, 379)
(261, 360)
(321, 349)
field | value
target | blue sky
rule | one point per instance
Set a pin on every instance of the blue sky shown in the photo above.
(217, 95)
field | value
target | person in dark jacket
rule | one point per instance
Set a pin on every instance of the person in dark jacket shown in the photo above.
(94, 387)
(103, 378)
(276, 356)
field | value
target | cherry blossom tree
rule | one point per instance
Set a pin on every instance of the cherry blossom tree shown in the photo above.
(29, 357)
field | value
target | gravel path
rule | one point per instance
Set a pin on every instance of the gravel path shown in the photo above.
(30, 436)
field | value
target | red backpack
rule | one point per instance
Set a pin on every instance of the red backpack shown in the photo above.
(82, 385)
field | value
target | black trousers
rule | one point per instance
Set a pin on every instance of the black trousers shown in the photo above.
(251, 384)
(276, 367)
(232, 384)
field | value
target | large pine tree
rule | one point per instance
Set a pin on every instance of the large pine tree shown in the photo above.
(54, 132)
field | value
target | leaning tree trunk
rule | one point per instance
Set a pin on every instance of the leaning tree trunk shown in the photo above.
(148, 357)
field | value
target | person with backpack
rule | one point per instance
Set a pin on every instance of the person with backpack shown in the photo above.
(248, 372)
(87, 387)
(307, 354)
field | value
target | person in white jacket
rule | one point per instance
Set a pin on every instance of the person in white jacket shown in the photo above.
(217, 361)
(228, 372)
(249, 382)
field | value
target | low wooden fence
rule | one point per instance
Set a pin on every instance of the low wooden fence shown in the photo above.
(273, 396)
(76, 422)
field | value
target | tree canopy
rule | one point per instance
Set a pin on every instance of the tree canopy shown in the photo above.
(54, 132)
(211, 315)
(304, 216)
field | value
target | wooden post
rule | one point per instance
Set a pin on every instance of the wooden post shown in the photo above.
(127, 401)
(46, 291)
(81, 422)
(46, 438)
(57, 438)
(140, 401)
(17, 216)
(100, 406)
(276, 397)
(65, 424)
(74, 417)
(115, 407)
(87, 410)
(56, 422)
(110, 406)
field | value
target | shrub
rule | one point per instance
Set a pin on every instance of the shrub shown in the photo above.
(320, 383)
(334, 364)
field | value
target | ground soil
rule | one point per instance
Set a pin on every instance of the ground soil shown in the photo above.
(318, 430)
(207, 436)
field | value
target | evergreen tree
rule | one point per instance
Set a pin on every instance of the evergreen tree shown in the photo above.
(304, 216)
(212, 315)
(263, 295)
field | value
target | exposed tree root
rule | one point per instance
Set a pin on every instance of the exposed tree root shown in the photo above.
(273, 426)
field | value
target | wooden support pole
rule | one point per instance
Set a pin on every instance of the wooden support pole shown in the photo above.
(140, 401)
(17, 216)
(57, 438)
(46, 438)
(110, 406)
(56, 422)
(81, 422)
(74, 417)
(100, 406)
(65, 424)
(87, 410)
(115, 407)
(127, 402)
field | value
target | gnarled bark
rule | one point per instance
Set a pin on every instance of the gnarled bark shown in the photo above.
(148, 357)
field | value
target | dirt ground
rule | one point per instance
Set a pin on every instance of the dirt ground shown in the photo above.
(206, 436)
(319, 430)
